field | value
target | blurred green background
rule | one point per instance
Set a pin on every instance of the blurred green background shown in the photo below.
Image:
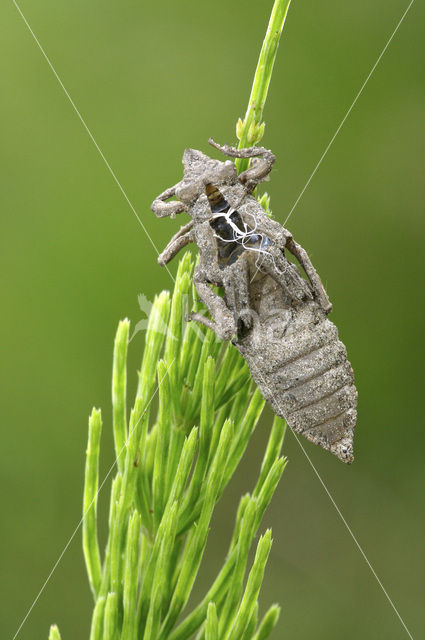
(151, 79)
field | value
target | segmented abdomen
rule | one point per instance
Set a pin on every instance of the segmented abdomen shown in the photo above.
(301, 368)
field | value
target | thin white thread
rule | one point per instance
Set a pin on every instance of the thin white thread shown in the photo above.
(339, 513)
(347, 526)
(239, 236)
(87, 510)
(80, 117)
(247, 235)
(348, 112)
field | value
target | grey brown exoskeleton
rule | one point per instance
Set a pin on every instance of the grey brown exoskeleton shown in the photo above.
(276, 318)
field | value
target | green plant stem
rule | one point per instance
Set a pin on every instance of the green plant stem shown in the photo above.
(90, 539)
(54, 633)
(251, 129)
(119, 385)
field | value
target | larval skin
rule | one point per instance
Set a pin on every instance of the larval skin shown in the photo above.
(274, 316)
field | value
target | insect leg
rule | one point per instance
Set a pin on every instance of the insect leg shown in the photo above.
(162, 208)
(258, 173)
(283, 240)
(241, 288)
(285, 274)
(198, 317)
(248, 152)
(318, 288)
(229, 288)
(177, 242)
(223, 325)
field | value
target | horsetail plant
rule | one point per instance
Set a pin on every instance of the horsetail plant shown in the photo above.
(172, 467)
(193, 415)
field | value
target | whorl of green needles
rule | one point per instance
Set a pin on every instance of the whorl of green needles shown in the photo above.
(173, 464)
